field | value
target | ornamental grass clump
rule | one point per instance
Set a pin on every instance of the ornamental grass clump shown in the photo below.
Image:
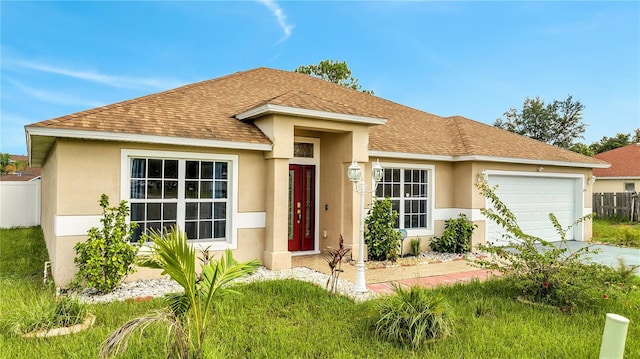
(412, 316)
(44, 313)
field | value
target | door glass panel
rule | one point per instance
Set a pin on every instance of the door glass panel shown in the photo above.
(290, 212)
(307, 212)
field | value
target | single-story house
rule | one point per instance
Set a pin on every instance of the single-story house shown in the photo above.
(257, 162)
(624, 173)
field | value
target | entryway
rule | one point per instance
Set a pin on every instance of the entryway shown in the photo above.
(301, 213)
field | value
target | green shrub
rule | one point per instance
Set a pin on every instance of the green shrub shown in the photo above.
(107, 256)
(456, 237)
(547, 273)
(412, 316)
(381, 236)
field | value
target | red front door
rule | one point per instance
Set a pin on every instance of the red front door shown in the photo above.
(302, 189)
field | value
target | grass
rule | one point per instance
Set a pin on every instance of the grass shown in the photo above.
(294, 319)
(616, 232)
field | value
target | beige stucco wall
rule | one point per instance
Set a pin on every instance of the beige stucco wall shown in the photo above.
(49, 201)
(604, 185)
(77, 172)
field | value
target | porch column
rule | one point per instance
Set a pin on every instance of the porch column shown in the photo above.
(276, 255)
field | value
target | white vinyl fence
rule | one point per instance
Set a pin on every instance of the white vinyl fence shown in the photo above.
(19, 204)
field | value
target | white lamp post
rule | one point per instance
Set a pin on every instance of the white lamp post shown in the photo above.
(355, 175)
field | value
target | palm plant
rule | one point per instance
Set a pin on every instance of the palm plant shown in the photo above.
(187, 314)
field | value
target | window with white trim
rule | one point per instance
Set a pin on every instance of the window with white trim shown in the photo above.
(408, 189)
(192, 194)
(629, 187)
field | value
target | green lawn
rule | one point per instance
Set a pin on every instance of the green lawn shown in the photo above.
(616, 232)
(292, 319)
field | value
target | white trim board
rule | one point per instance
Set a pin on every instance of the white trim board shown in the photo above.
(426, 157)
(267, 109)
(80, 225)
(131, 137)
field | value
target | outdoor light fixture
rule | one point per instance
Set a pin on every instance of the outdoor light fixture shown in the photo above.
(483, 176)
(592, 180)
(355, 176)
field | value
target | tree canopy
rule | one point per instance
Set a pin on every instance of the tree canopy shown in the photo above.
(558, 123)
(333, 71)
(619, 140)
(7, 165)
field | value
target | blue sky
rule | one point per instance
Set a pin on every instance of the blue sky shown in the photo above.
(475, 59)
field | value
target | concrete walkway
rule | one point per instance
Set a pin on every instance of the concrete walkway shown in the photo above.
(382, 280)
(431, 274)
(608, 254)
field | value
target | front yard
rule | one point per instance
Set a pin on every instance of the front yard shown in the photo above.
(292, 319)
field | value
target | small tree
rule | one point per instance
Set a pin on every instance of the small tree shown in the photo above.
(333, 71)
(107, 256)
(188, 314)
(334, 259)
(381, 236)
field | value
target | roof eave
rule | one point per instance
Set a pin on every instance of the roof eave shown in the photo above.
(267, 109)
(427, 157)
(41, 139)
(619, 177)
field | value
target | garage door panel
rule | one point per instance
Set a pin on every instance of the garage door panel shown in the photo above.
(531, 199)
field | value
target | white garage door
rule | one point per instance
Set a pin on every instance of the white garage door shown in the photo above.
(531, 199)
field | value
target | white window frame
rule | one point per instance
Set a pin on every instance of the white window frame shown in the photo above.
(231, 240)
(631, 184)
(431, 184)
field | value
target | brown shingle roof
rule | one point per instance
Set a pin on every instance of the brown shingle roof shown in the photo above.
(206, 110)
(625, 162)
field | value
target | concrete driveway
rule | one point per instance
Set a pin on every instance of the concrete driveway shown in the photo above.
(609, 254)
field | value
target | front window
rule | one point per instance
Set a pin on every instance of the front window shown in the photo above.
(408, 189)
(629, 187)
(192, 194)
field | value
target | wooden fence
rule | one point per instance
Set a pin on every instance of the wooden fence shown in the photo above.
(623, 205)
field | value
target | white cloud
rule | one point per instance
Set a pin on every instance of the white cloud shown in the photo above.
(54, 97)
(280, 16)
(109, 80)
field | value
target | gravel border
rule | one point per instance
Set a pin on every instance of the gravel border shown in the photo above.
(159, 287)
